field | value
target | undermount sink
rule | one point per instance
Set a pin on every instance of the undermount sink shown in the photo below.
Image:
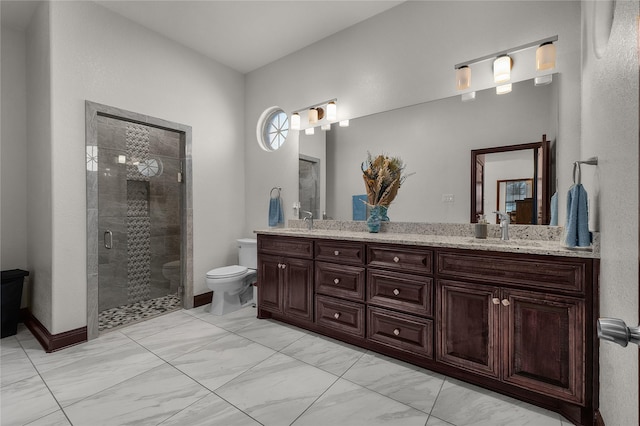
(499, 242)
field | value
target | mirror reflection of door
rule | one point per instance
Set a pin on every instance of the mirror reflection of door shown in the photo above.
(515, 197)
(309, 185)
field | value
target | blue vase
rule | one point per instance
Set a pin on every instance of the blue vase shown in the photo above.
(375, 218)
(383, 213)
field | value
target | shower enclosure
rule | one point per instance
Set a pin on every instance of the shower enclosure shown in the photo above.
(136, 179)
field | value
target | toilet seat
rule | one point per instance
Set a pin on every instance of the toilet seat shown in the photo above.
(227, 272)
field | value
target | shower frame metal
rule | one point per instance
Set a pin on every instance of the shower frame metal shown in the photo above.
(92, 111)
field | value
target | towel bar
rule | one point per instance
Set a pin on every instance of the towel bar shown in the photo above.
(593, 161)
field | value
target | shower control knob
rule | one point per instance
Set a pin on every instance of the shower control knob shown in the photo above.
(336, 281)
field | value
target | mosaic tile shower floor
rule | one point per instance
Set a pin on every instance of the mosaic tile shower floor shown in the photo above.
(127, 314)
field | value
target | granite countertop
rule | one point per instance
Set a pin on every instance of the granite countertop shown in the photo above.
(540, 240)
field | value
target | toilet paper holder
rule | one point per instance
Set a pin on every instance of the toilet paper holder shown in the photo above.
(616, 330)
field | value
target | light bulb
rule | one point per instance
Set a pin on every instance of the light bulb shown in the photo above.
(463, 77)
(502, 69)
(332, 111)
(295, 121)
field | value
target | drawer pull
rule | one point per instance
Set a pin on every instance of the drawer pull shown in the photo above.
(396, 331)
(505, 302)
(337, 253)
(396, 291)
(396, 259)
(336, 281)
(496, 301)
(336, 315)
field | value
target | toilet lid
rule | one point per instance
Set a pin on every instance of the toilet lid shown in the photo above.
(227, 271)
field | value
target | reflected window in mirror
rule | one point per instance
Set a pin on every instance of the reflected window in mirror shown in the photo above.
(515, 197)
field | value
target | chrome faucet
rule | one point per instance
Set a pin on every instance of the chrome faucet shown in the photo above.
(504, 225)
(308, 219)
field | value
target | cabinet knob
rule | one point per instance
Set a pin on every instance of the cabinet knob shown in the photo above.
(396, 259)
(495, 301)
(336, 315)
(279, 265)
(284, 266)
(336, 281)
(505, 302)
(396, 291)
(336, 252)
(396, 331)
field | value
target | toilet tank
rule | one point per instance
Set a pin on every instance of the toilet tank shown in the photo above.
(248, 252)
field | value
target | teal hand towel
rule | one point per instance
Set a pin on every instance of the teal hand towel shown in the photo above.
(577, 227)
(554, 210)
(276, 215)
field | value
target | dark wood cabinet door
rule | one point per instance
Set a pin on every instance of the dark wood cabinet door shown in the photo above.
(297, 277)
(468, 323)
(543, 339)
(269, 287)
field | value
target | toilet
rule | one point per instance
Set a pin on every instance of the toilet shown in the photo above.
(232, 285)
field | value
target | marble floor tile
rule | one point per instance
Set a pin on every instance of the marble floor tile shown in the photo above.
(57, 418)
(464, 404)
(325, 353)
(217, 363)
(73, 382)
(147, 399)
(210, 411)
(184, 338)
(230, 322)
(278, 390)
(408, 384)
(15, 365)
(346, 403)
(271, 334)
(48, 361)
(434, 421)
(155, 325)
(25, 401)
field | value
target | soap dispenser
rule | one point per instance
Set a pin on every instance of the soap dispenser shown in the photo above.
(481, 227)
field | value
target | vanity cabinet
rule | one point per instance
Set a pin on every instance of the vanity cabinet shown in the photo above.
(519, 324)
(285, 278)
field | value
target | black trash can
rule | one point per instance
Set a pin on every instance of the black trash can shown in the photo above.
(10, 299)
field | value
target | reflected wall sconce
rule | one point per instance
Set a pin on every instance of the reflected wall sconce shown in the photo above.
(309, 131)
(344, 123)
(322, 114)
(503, 63)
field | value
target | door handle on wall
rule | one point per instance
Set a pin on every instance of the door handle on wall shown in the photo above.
(615, 330)
(109, 244)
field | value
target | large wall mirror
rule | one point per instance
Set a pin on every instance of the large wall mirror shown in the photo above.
(435, 140)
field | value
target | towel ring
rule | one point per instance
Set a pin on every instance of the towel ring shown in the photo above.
(576, 166)
(276, 188)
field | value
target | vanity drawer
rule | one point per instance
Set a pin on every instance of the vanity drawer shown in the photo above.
(340, 315)
(401, 259)
(408, 293)
(286, 246)
(340, 280)
(340, 252)
(404, 332)
(564, 275)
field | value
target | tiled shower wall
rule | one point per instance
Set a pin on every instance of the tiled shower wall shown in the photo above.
(139, 202)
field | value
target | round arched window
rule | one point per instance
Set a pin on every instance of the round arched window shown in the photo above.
(272, 129)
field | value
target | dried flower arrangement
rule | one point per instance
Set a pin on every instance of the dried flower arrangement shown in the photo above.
(382, 176)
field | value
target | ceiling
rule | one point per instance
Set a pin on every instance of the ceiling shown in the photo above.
(242, 34)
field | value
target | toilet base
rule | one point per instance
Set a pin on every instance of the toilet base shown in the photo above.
(226, 303)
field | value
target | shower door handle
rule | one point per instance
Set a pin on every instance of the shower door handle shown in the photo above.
(108, 243)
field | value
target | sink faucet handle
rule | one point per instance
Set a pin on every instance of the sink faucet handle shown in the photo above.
(502, 215)
(309, 213)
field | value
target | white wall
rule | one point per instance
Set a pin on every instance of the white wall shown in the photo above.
(38, 166)
(403, 57)
(13, 151)
(100, 56)
(610, 131)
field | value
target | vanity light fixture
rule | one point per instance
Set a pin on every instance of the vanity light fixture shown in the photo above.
(463, 77)
(344, 123)
(332, 111)
(502, 69)
(295, 121)
(546, 56)
(309, 131)
(503, 89)
(313, 116)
